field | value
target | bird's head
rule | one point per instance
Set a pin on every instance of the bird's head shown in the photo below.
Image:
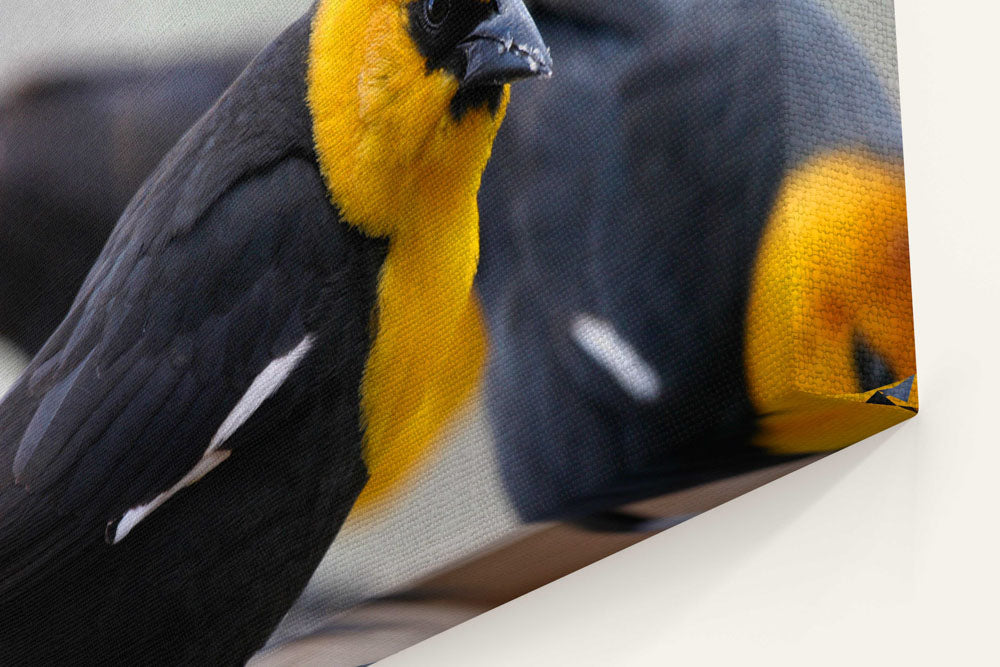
(407, 97)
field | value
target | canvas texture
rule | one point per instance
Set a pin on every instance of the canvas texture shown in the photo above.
(693, 279)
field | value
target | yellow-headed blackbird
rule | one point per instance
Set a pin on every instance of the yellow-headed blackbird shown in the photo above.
(182, 450)
(700, 265)
(673, 176)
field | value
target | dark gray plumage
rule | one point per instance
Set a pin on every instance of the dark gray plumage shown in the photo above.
(74, 149)
(646, 173)
(195, 293)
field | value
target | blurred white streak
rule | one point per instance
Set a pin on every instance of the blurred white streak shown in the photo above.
(599, 339)
(12, 362)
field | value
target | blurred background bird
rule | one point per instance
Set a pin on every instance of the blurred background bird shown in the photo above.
(268, 327)
(719, 223)
(640, 216)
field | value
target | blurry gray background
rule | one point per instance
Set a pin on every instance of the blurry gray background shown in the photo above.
(55, 33)
(457, 506)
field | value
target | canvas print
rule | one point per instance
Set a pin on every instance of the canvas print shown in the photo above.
(319, 345)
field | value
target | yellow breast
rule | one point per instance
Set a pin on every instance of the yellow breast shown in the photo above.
(398, 166)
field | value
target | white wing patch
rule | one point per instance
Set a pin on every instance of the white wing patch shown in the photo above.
(599, 339)
(137, 514)
(263, 386)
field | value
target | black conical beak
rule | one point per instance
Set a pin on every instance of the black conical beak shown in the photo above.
(504, 48)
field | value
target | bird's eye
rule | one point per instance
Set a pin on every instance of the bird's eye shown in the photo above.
(436, 11)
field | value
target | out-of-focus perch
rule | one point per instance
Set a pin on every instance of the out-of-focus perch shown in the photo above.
(531, 558)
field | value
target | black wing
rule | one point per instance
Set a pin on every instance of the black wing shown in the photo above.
(120, 123)
(208, 276)
(170, 329)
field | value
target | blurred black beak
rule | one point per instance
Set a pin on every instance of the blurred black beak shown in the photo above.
(505, 48)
